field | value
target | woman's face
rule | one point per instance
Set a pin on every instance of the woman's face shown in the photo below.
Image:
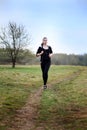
(45, 41)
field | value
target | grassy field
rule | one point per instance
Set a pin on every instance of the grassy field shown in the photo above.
(63, 105)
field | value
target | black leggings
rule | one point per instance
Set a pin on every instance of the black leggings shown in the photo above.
(45, 68)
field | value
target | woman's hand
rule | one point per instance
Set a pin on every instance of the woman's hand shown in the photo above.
(39, 54)
(50, 55)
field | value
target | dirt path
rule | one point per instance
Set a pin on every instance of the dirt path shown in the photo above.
(25, 118)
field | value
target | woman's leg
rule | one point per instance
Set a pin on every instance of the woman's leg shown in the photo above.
(45, 68)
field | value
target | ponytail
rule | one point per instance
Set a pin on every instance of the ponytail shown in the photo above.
(42, 44)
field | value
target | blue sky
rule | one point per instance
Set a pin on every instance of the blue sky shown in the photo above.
(64, 22)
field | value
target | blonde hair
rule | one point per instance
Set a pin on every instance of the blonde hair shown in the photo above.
(44, 38)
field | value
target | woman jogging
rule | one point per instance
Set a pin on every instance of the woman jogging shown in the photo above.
(46, 53)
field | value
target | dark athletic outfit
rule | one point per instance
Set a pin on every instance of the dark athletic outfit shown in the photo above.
(45, 61)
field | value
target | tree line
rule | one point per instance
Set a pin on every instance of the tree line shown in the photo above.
(71, 59)
(14, 44)
(26, 57)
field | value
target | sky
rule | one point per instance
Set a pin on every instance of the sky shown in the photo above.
(64, 22)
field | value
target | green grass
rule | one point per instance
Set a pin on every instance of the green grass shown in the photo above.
(15, 87)
(64, 105)
(58, 104)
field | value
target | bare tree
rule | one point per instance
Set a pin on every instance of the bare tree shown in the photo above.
(14, 38)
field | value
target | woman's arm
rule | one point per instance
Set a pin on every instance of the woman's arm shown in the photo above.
(51, 52)
(39, 54)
